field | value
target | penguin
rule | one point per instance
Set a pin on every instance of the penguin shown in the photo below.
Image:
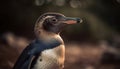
(47, 50)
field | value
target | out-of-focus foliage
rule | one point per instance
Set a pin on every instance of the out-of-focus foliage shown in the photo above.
(100, 17)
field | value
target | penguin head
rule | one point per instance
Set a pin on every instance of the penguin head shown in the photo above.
(54, 22)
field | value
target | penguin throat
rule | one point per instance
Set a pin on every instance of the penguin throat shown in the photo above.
(46, 36)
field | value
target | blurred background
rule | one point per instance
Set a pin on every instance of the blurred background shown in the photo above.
(93, 44)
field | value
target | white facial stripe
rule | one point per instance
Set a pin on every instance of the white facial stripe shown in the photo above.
(48, 17)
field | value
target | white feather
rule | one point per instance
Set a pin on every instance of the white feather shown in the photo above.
(51, 59)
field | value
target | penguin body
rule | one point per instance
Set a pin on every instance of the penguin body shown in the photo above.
(40, 55)
(52, 58)
(47, 51)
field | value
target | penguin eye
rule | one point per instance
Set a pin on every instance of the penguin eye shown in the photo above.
(54, 20)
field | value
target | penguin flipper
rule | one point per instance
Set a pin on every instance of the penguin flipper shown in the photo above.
(27, 64)
(30, 64)
(24, 59)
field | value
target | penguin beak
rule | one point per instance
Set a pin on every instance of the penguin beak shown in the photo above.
(69, 20)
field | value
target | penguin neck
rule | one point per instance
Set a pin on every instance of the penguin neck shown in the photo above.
(46, 36)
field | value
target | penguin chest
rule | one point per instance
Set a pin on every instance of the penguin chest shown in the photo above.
(51, 58)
